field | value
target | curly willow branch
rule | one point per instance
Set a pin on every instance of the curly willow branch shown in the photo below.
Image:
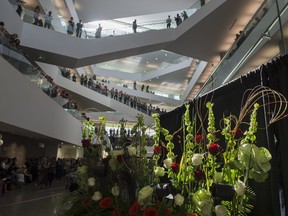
(275, 103)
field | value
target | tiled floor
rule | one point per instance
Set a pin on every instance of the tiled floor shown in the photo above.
(32, 201)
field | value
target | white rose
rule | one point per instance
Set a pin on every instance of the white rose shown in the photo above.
(132, 151)
(144, 194)
(240, 188)
(97, 196)
(197, 159)
(221, 210)
(159, 171)
(117, 152)
(178, 199)
(91, 181)
(115, 190)
(167, 163)
(105, 154)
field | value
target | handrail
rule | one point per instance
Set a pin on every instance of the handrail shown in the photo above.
(233, 48)
(36, 76)
(60, 25)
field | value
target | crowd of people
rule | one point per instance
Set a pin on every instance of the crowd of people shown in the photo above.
(40, 171)
(7, 39)
(77, 29)
(123, 97)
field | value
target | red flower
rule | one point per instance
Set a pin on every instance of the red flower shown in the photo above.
(106, 202)
(120, 158)
(167, 212)
(199, 175)
(135, 208)
(237, 133)
(198, 138)
(214, 149)
(86, 142)
(157, 150)
(106, 160)
(175, 167)
(150, 212)
(115, 212)
(86, 201)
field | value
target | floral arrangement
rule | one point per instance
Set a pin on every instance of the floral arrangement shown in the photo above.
(209, 178)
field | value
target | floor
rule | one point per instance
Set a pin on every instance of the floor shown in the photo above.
(31, 200)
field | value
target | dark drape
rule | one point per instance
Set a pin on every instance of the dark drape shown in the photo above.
(227, 100)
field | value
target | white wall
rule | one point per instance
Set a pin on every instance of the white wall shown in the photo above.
(111, 104)
(24, 105)
(8, 15)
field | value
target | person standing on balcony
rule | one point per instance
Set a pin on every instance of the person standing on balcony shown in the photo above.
(70, 27)
(79, 27)
(142, 88)
(184, 15)
(147, 88)
(134, 26)
(48, 20)
(98, 31)
(19, 4)
(135, 85)
(202, 2)
(36, 15)
(168, 21)
(178, 20)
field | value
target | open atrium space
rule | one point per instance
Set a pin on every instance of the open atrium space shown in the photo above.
(143, 108)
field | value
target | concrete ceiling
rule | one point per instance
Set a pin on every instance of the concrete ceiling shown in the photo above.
(143, 63)
(92, 10)
(205, 40)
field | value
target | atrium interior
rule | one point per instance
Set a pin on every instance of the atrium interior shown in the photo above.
(122, 59)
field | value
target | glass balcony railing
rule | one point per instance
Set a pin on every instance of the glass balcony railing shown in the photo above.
(217, 77)
(102, 88)
(18, 60)
(114, 27)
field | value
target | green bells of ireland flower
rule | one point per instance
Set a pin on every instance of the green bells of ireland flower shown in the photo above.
(203, 201)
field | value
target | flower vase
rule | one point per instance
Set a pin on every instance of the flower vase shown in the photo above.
(162, 190)
(222, 192)
(99, 171)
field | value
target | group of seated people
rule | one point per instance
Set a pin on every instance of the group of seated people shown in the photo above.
(7, 39)
(41, 171)
(12, 175)
(120, 96)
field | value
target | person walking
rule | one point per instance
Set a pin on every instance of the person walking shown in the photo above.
(79, 27)
(98, 31)
(48, 20)
(134, 26)
(178, 20)
(168, 21)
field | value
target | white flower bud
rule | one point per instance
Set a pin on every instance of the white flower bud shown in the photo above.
(178, 199)
(167, 163)
(91, 181)
(197, 159)
(97, 196)
(240, 188)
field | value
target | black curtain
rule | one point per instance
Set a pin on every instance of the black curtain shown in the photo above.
(227, 100)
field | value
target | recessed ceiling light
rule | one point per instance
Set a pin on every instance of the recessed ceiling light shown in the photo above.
(157, 77)
(156, 59)
(150, 80)
(166, 54)
(147, 62)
